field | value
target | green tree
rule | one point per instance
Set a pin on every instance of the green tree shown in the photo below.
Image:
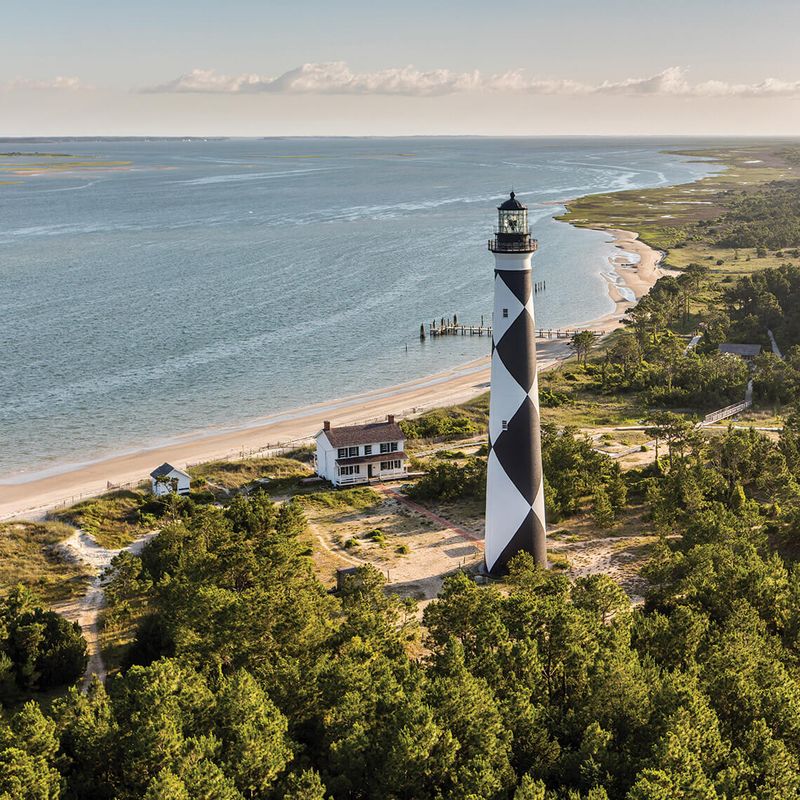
(28, 752)
(167, 786)
(600, 595)
(581, 344)
(88, 730)
(255, 746)
(530, 789)
(306, 785)
(602, 510)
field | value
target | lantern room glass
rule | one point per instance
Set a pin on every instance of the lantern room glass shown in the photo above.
(513, 221)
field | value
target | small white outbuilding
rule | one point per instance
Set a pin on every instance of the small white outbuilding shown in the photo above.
(167, 479)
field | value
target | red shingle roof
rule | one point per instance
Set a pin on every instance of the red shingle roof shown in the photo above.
(371, 433)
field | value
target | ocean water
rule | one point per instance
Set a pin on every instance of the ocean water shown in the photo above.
(207, 283)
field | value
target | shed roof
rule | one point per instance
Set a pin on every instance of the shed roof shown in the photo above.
(165, 469)
(744, 350)
(371, 433)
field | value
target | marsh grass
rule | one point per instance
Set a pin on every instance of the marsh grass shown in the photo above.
(667, 217)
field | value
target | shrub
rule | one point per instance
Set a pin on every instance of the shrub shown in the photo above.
(447, 481)
(453, 454)
(360, 497)
(439, 424)
(39, 649)
(376, 536)
(551, 399)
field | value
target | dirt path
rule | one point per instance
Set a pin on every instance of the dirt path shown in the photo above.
(619, 557)
(86, 610)
(434, 518)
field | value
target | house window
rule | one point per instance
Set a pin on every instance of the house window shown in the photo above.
(505, 424)
(342, 452)
(505, 312)
(388, 465)
(367, 449)
(352, 451)
(351, 470)
(388, 447)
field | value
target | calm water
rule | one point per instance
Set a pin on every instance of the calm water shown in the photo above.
(215, 282)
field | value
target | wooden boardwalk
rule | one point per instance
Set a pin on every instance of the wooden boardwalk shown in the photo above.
(448, 328)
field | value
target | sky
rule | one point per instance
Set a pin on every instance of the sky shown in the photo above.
(352, 67)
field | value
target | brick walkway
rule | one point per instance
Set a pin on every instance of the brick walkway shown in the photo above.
(445, 523)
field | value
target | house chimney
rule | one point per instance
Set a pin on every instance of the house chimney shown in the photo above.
(390, 418)
(326, 425)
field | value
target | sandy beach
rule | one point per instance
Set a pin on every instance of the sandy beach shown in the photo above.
(31, 496)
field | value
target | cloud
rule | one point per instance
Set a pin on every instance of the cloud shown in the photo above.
(60, 82)
(337, 78)
(330, 78)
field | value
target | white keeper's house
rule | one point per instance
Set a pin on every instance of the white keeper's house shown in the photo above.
(361, 453)
(167, 479)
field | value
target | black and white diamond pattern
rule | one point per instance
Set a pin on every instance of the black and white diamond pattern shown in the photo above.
(515, 517)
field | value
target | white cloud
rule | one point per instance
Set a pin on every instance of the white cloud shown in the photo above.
(330, 78)
(60, 82)
(337, 78)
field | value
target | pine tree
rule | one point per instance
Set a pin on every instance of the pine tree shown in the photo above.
(602, 511)
(253, 734)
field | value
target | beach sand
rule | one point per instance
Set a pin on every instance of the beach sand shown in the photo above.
(31, 496)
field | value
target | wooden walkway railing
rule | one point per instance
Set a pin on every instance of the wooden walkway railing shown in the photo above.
(724, 413)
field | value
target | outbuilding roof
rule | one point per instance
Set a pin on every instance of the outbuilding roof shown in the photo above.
(371, 433)
(743, 350)
(165, 469)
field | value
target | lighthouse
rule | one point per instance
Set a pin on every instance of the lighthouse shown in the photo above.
(514, 483)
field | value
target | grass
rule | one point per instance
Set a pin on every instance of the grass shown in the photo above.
(448, 423)
(344, 499)
(283, 472)
(111, 519)
(29, 556)
(588, 408)
(62, 166)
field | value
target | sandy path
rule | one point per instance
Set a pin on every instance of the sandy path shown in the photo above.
(86, 610)
(614, 556)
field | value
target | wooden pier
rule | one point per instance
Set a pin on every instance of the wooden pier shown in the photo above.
(451, 327)
(456, 329)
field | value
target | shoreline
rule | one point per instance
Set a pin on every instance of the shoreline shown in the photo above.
(33, 494)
